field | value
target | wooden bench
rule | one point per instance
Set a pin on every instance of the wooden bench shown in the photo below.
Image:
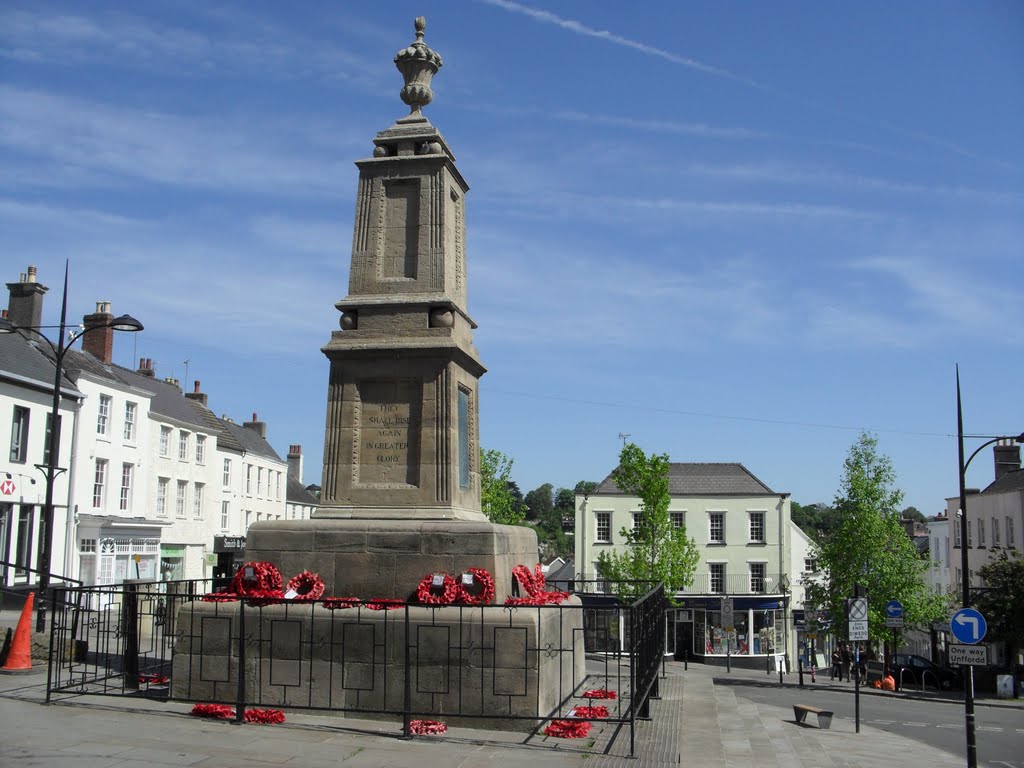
(824, 716)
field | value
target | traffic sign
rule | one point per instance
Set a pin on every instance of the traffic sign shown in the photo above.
(969, 655)
(858, 629)
(894, 609)
(968, 626)
(894, 622)
(857, 609)
(727, 614)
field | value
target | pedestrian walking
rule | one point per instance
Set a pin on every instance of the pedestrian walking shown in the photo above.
(837, 665)
(847, 657)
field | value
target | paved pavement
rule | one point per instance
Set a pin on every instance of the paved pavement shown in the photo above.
(694, 722)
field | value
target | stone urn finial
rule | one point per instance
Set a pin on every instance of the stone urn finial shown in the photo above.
(418, 65)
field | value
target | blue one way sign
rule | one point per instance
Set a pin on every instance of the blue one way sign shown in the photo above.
(894, 609)
(968, 626)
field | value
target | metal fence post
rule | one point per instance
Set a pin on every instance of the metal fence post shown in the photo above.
(240, 700)
(130, 632)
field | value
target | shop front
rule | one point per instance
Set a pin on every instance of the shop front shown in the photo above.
(758, 632)
(230, 556)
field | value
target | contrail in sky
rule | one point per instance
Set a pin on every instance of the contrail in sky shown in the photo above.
(579, 28)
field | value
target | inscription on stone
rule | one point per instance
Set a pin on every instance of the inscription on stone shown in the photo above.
(389, 432)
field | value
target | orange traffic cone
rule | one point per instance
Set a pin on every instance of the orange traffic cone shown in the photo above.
(20, 658)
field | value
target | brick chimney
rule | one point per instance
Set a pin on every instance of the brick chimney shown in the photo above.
(25, 306)
(257, 426)
(1007, 457)
(197, 395)
(99, 343)
(295, 462)
(146, 367)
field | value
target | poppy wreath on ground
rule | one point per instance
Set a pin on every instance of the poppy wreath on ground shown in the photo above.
(428, 594)
(599, 712)
(384, 604)
(336, 603)
(568, 729)
(265, 577)
(218, 711)
(486, 588)
(306, 586)
(153, 680)
(264, 716)
(598, 693)
(426, 727)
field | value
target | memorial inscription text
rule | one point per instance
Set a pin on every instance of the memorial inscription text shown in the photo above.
(388, 435)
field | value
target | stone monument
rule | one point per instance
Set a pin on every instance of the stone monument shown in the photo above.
(400, 491)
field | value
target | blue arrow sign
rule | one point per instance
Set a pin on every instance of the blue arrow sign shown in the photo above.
(968, 626)
(894, 609)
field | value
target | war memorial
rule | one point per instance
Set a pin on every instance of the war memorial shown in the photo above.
(400, 512)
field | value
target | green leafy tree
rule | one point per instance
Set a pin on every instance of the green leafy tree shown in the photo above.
(497, 499)
(540, 501)
(585, 486)
(656, 550)
(565, 502)
(868, 546)
(913, 513)
(1001, 602)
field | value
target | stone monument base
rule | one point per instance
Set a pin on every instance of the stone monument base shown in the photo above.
(372, 557)
(500, 667)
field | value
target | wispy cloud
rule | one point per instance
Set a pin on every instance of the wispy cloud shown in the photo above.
(243, 45)
(273, 156)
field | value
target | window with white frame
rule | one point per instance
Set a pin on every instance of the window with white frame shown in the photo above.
(637, 518)
(248, 479)
(200, 449)
(995, 531)
(259, 481)
(981, 532)
(46, 444)
(956, 533)
(99, 484)
(87, 545)
(127, 473)
(165, 441)
(716, 527)
(19, 434)
(970, 535)
(225, 514)
(757, 574)
(757, 535)
(197, 501)
(277, 486)
(183, 446)
(161, 496)
(716, 581)
(677, 519)
(179, 499)
(810, 565)
(227, 473)
(604, 527)
(130, 411)
(1010, 540)
(103, 416)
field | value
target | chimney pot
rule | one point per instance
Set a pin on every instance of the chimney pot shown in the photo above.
(25, 305)
(195, 387)
(100, 342)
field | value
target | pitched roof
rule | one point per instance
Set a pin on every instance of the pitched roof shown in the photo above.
(30, 363)
(703, 479)
(1010, 481)
(250, 440)
(296, 493)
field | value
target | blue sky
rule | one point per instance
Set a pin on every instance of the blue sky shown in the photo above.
(732, 231)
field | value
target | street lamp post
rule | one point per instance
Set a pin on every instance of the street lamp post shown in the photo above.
(50, 468)
(965, 574)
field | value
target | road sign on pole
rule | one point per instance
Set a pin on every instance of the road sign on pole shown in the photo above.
(894, 609)
(727, 614)
(968, 626)
(968, 655)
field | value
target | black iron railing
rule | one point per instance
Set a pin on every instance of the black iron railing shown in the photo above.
(466, 664)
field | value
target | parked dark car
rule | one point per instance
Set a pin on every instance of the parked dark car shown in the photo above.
(917, 670)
